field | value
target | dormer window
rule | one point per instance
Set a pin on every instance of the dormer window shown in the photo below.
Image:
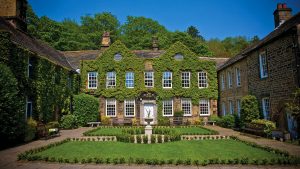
(118, 57)
(178, 56)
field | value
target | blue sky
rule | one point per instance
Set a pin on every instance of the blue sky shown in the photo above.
(214, 18)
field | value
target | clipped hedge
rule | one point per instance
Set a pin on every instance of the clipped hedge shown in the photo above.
(85, 109)
(249, 109)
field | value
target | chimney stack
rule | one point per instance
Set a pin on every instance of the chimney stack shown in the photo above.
(105, 43)
(154, 43)
(281, 14)
(14, 11)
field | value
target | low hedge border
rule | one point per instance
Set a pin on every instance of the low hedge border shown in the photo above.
(286, 159)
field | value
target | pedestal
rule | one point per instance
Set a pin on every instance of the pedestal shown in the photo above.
(148, 132)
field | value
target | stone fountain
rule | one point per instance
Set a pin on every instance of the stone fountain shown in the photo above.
(148, 128)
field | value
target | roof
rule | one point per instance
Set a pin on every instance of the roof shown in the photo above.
(287, 25)
(42, 49)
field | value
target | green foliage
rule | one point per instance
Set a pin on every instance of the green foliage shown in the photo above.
(226, 121)
(11, 106)
(249, 109)
(85, 109)
(69, 121)
(178, 114)
(269, 126)
(30, 130)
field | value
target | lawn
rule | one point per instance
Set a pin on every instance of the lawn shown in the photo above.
(111, 131)
(194, 150)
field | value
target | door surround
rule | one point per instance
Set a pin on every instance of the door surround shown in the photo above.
(142, 115)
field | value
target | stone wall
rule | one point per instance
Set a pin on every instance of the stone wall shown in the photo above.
(8, 7)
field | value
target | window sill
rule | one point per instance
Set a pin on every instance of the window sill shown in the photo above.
(168, 115)
(203, 115)
(187, 115)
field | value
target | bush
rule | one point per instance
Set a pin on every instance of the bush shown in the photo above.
(68, 121)
(198, 121)
(30, 130)
(249, 109)
(237, 120)
(178, 114)
(12, 123)
(226, 121)
(268, 125)
(163, 121)
(215, 118)
(85, 108)
(52, 124)
(105, 120)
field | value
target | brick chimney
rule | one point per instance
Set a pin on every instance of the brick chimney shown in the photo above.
(105, 42)
(281, 14)
(154, 43)
(14, 11)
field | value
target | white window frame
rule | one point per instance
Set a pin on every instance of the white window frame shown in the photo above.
(130, 78)
(266, 107)
(92, 82)
(26, 112)
(146, 79)
(231, 106)
(106, 106)
(165, 81)
(222, 81)
(229, 78)
(184, 103)
(238, 76)
(185, 78)
(131, 101)
(263, 65)
(224, 108)
(28, 68)
(238, 107)
(201, 107)
(111, 79)
(202, 79)
(164, 102)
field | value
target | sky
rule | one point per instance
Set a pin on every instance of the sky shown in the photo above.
(213, 18)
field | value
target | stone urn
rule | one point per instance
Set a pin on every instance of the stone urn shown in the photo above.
(148, 120)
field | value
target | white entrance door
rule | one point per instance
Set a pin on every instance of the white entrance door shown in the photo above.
(149, 111)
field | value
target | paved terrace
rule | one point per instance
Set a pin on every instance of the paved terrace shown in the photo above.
(8, 158)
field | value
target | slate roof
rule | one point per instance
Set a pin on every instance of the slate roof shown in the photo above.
(287, 25)
(41, 48)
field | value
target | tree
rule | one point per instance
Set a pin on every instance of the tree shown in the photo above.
(32, 22)
(218, 49)
(194, 33)
(254, 39)
(249, 109)
(12, 119)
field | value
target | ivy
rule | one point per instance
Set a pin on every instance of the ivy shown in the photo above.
(166, 62)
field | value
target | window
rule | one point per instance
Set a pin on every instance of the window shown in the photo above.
(238, 76)
(231, 108)
(168, 107)
(204, 107)
(238, 105)
(186, 107)
(223, 108)
(202, 79)
(129, 82)
(149, 79)
(129, 106)
(28, 108)
(167, 79)
(118, 57)
(266, 107)
(222, 82)
(185, 79)
(111, 107)
(178, 56)
(110, 79)
(30, 67)
(229, 77)
(263, 65)
(92, 80)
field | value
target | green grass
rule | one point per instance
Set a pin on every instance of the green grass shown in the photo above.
(194, 150)
(192, 131)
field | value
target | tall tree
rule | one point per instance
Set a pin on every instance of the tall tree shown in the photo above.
(194, 32)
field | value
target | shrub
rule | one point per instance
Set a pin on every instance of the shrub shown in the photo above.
(198, 121)
(226, 121)
(237, 120)
(52, 124)
(85, 108)
(105, 120)
(178, 114)
(134, 122)
(153, 139)
(249, 109)
(30, 130)
(268, 125)
(159, 139)
(12, 123)
(163, 121)
(138, 139)
(68, 121)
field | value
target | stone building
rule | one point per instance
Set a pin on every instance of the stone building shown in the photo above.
(134, 84)
(268, 69)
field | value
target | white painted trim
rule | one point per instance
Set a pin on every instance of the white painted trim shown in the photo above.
(238, 76)
(261, 66)
(208, 105)
(172, 109)
(189, 79)
(163, 82)
(126, 79)
(115, 79)
(191, 107)
(89, 80)
(133, 108)
(205, 77)
(264, 108)
(115, 107)
(151, 78)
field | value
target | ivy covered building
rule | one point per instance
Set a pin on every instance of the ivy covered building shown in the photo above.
(132, 85)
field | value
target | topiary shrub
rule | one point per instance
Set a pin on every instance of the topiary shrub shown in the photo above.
(11, 107)
(85, 108)
(68, 121)
(249, 109)
(30, 130)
